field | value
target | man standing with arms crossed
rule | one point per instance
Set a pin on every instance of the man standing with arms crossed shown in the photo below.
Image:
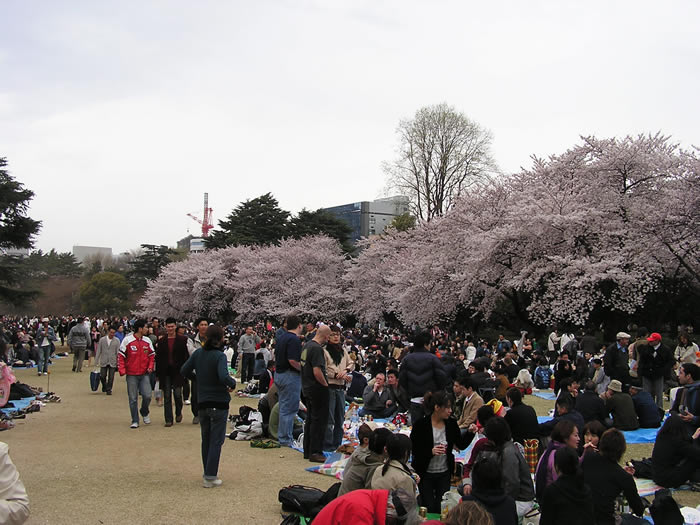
(288, 376)
(246, 347)
(136, 361)
(315, 384)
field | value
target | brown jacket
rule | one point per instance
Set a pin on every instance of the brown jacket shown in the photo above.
(469, 410)
(396, 477)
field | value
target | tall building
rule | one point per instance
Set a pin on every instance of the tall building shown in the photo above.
(83, 252)
(368, 218)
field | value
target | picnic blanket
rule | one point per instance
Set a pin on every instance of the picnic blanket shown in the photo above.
(19, 404)
(633, 437)
(545, 394)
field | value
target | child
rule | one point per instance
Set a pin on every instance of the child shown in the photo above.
(543, 375)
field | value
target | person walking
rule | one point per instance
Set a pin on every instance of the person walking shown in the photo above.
(213, 385)
(171, 354)
(314, 382)
(193, 343)
(78, 339)
(106, 359)
(136, 360)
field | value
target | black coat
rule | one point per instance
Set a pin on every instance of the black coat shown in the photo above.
(522, 420)
(666, 457)
(591, 407)
(654, 364)
(422, 440)
(648, 412)
(568, 501)
(497, 503)
(616, 363)
(422, 372)
(180, 356)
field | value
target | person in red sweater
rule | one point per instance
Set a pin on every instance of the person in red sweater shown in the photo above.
(136, 360)
(370, 507)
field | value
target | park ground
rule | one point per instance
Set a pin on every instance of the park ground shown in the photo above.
(82, 464)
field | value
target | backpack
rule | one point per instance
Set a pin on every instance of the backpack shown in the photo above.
(642, 468)
(307, 501)
(542, 376)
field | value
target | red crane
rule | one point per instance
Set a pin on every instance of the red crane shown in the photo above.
(207, 221)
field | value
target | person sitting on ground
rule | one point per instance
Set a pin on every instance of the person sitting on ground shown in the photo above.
(562, 369)
(543, 374)
(468, 513)
(266, 378)
(398, 395)
(686, 351)
(367, 456)
(377, 399)
(648, 413)
(480, 378)
(567, 500)
(599, 378)
(524, 382)
(592, 432)
(521, 418)
(502, 384)
(675, 459)
(515, 471)
(590, 405)
(468, 402)
(564, 411)
(569, 388)
(664, 509)
(395, 473)
(687, 402)
(370, 507)
(483, 415)
(621, 408)
(488, 490)
(607, 479)
(564, 434)
(511, 368)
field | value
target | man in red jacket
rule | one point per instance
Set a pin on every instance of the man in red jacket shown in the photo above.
(136, 361)
(370, 507)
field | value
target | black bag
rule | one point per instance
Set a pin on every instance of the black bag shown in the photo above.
(291, 519)
(642, 468)
(300, 499)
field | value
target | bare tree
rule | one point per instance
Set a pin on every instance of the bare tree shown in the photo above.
(441, 154)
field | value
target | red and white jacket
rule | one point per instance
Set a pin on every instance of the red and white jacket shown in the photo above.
(136, 356)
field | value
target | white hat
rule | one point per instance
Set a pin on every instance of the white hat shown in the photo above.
(45, 320)
(623, 335)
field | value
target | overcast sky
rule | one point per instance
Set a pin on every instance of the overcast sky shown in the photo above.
(119, 115)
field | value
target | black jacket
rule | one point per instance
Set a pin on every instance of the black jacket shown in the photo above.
(422, 440)
(648, 412)
(591, 407)
(654, 364)
(497, 503)
(522, 420)
(607, 480)
(567, 501)
(668, 452)
(422, 372)
(616, 363)
(180, 356)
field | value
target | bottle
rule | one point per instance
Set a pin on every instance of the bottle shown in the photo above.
(354, 417)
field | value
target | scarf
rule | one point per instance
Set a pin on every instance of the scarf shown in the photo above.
(336, 352)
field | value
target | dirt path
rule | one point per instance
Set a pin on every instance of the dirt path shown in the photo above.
(81, 463)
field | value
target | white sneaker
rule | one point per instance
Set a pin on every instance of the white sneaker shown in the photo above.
(188, 402)
(211, 483)
(147, 420)
(46, 373)
(134, 425)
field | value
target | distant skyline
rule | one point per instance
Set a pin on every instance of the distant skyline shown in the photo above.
(120, 115)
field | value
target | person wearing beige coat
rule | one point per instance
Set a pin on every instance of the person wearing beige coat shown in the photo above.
(470, 401)
(14, 503)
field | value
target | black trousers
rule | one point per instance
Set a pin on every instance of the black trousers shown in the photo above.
(316, 421)
(170, 391)
(432, 487)
(247, 367)
(107, 378)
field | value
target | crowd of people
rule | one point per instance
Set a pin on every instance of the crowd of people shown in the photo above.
(453, 391)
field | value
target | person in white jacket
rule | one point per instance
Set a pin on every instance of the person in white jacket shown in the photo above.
(14, 503)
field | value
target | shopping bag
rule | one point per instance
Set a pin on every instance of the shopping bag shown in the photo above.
(94, 380)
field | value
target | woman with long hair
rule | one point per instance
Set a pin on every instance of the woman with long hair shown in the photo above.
(567, 500)
(213, 387)
(434, 437)
(395, 473)
(564, 434)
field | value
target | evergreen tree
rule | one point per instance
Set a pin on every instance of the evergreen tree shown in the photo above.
(259, 221)
(320, 222)
(105, 293)
(148, 264)
(17, 230)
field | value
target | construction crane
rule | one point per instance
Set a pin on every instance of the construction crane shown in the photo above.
(207, 221)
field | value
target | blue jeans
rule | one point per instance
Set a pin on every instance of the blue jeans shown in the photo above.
(289, 387)
(134, 385)
(44, 354)
(212, 422)
(336, 416)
